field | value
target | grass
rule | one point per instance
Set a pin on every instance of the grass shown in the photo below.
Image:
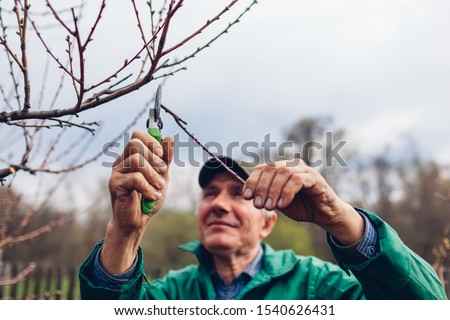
(42, 294)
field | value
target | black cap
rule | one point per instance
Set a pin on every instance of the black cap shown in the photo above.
(212, 167)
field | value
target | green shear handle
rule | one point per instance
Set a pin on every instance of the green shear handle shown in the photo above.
(154, 125)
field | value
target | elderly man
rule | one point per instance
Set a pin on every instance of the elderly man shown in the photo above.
(233, 220)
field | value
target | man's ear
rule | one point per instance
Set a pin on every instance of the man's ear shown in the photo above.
(269, 223)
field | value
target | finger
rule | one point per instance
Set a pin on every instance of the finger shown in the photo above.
(124, 184)
(251, 182)
(149, 141)
(136, 163)
(169, 149)
(263, 186)
(298, 182)
(138, 146)
(126, 152)
(274, 192)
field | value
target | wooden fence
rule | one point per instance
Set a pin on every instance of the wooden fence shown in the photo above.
(43, 283)
(61, 283)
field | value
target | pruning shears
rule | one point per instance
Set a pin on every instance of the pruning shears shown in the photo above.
(154, 126)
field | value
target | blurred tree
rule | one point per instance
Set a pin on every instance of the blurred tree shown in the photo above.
(317, 141)
(421, 217)
(34, 122)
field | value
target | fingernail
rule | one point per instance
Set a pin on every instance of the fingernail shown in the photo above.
(268, 205)
(280, 202)
(248, 193)
(157, 195)
(161, 182)
(162, 167)
(258, 201)
(159, 152)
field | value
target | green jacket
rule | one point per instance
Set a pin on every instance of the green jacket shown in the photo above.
(394, 273)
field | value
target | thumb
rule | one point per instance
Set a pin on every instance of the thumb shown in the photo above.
(169, 150)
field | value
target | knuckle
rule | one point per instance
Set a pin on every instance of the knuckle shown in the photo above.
(296, 179)
(136, 161)
(135, 146)
(138, 180)
(252, 180)
(260, 190)
(136, 134)
(285, 171)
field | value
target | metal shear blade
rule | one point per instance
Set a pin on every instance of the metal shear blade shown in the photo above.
(154, 119)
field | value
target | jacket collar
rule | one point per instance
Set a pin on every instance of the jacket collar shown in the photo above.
(275, 262)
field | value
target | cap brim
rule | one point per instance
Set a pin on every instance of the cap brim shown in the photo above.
(213, 167)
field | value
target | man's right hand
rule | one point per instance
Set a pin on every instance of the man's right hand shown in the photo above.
(142, 169)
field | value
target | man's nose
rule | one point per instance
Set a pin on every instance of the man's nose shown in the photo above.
(221, 204)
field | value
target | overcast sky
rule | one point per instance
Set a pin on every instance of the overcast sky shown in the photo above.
(380, 68)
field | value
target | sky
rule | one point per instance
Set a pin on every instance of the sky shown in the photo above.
(380, 69)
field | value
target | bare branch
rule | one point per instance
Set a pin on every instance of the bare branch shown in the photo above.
(206, 25)
(22, 23)
(208, 44)
(61, 123)
(170, 73)
(91, 33)
(56, 14)
(20, 276)
(108, 94)
(4, 43)
(53, 117)
(126, 63)
(182, 124)
(5, 100)
(10, 240)
(70, 62)
(61, 66)
(80, 50)
(141, 30)
(10, 57)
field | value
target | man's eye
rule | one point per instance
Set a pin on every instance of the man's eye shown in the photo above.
(237, 193)
(208, 194)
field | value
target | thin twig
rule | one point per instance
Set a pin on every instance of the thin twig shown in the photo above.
(208, 44)
(126, 63)
(68, 150)
(206, 25)
(10, 241)
(44, 43)
(20, 276)
(80, 50)
(169, 73)
(10, 57)
(22, 22)
(61, 123)
(97, 20)
(141, 30)
(182, 124)
(106, 95)
(71, 69)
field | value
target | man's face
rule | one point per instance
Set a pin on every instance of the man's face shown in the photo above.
(229, 224)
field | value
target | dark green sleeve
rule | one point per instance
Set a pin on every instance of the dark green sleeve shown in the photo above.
(396, 272)
(136, 288)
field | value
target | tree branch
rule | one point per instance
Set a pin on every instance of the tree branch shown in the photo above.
(206, 25)
(182, 124)
(19, 277)
(22, 23)
(14, 240)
